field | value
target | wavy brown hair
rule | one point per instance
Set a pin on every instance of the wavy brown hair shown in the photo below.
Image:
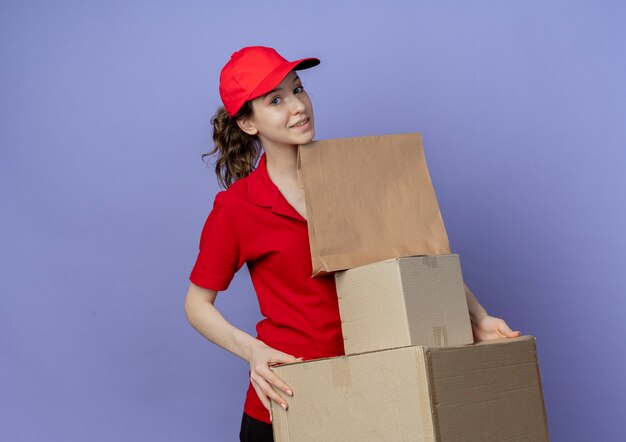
(236, 151)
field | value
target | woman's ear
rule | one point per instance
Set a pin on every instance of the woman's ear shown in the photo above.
(246, 125)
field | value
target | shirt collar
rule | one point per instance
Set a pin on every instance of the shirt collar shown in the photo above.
(263, 192)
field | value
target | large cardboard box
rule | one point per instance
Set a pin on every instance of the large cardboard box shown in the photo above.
(489, 391)
(417, 300)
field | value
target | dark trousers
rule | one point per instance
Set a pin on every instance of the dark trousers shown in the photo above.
(253, 430)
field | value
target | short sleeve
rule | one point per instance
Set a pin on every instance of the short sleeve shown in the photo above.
(219, 257)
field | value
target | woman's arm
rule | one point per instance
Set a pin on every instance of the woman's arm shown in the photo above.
(484, 326)
(209, 322)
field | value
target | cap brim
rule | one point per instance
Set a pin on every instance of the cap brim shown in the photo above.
(306, 63)
(278, 74)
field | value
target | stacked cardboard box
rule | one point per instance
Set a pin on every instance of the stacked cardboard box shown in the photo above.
(418, 300)
(411, 370)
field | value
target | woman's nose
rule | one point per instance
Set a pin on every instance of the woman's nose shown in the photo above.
(297, 105)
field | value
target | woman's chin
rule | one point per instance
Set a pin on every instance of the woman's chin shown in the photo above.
(309, 137)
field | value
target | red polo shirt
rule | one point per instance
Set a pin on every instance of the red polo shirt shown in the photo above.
(253, 223)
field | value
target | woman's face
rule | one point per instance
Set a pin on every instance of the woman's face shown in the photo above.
(282, 117)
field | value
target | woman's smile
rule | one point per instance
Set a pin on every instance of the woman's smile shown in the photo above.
(302, 124)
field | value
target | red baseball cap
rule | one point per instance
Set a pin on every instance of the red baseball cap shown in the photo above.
(253, 71)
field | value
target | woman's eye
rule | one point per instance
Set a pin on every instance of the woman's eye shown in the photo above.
(298, 89)
(275, 100)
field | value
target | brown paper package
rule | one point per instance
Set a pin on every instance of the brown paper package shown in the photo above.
(369, 199)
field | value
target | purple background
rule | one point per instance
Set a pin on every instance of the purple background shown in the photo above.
(104, 110)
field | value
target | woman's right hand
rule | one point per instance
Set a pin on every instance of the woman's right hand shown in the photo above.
(265, 382)
(205, 318)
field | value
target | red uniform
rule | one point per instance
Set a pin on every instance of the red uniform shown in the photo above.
(253, 223)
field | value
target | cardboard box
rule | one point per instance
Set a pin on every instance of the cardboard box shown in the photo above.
(417, 300)
(489, 391)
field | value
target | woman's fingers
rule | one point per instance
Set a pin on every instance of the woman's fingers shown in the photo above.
(266, 384)
(271, 377)
(505, 331)
(262, 396)
(274, 380)
(260, 378)
(493, 328)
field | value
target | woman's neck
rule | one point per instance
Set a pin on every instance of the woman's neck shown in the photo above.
(282, 164)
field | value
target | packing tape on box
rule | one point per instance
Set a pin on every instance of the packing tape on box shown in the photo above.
(430, 261)
(341, 373)
(440, 333)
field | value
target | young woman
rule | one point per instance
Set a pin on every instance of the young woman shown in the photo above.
(260, 220)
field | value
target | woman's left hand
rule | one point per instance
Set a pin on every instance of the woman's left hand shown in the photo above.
(492, 328)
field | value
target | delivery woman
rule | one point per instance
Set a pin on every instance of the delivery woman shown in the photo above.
(260, 220)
